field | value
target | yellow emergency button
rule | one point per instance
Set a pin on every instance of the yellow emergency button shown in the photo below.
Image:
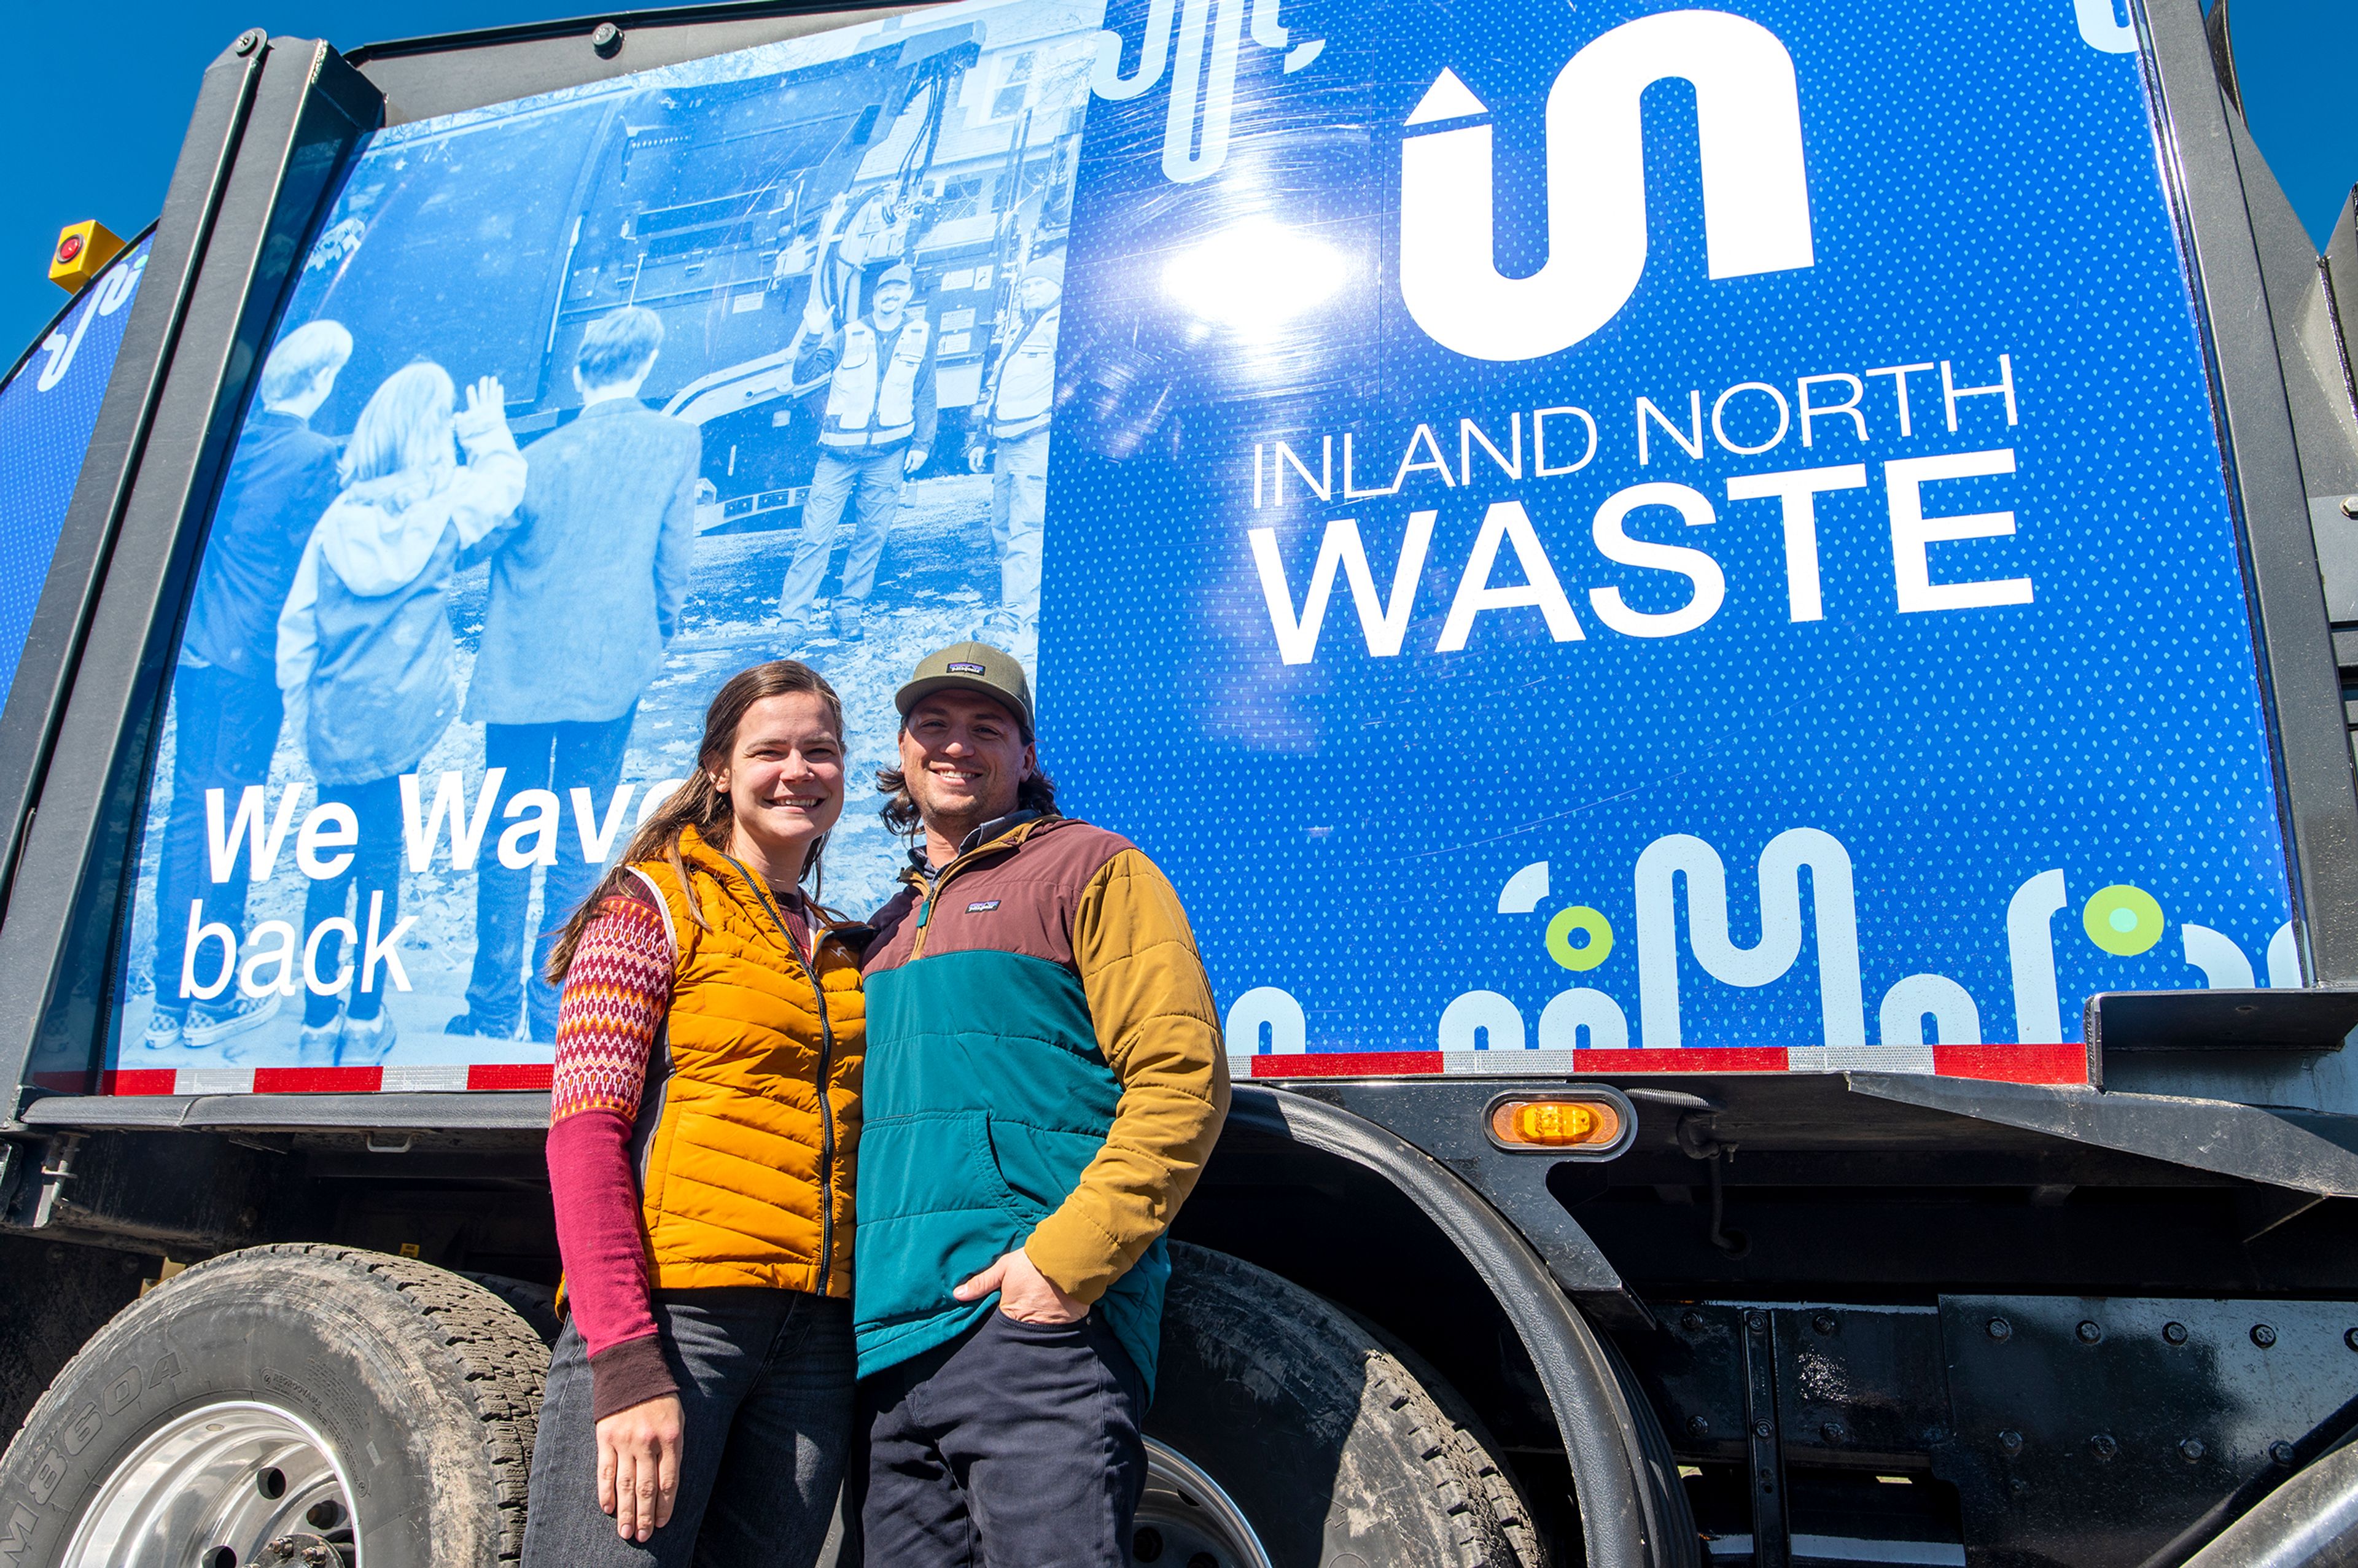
(83, 249)
(1554, 1123)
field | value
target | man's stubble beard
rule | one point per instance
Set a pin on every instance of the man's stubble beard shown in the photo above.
(954, 826)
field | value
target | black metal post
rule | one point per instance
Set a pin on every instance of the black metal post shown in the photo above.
(1773, 1544)
(2315, 776)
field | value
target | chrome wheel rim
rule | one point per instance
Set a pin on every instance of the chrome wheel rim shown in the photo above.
(225, 1485)
(1186, 1520)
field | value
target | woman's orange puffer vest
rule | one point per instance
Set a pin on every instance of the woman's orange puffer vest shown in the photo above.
(744, 1179)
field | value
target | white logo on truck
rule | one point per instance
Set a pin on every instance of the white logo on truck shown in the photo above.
(1755, 196)
(1204, 87)
(120, 284)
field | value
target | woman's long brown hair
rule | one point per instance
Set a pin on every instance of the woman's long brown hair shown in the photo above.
(697, 803)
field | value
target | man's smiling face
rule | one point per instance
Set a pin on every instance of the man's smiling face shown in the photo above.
(963, 758)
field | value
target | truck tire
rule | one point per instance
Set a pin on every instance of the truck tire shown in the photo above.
(1474, 1450)
(1284, 1434)
(278, 1399)
(537, 1304)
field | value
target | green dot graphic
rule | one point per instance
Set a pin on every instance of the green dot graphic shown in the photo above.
(1593, 925)
(2123, 920)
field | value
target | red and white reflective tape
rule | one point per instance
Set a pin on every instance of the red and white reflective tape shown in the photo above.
(1998, 1063)
(455, 1078)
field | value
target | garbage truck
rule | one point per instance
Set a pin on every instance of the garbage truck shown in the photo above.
(1736, 621)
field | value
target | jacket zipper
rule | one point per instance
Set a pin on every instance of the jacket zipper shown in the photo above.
(826, 1071)
(934, 888)
(926, 910)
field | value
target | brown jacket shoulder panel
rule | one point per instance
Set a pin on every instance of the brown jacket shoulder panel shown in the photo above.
(1018, 899)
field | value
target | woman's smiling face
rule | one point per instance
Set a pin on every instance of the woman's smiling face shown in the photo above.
(784, 777)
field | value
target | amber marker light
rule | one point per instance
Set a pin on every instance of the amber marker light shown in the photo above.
(1554, 1123)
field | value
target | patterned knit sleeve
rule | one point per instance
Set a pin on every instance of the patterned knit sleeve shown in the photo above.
(617, 992)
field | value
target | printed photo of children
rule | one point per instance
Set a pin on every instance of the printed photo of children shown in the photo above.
(754, 357)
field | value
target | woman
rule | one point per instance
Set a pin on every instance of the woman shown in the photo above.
(702, 1124)
(365, 665)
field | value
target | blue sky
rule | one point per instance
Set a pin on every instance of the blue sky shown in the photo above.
(93, 115)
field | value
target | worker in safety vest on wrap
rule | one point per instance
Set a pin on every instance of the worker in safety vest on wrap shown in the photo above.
(877, 428)
(1020, 401)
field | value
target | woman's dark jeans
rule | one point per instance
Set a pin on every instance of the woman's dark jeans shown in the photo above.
(765, 1381)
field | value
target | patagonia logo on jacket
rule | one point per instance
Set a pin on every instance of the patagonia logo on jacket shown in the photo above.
(981, 906)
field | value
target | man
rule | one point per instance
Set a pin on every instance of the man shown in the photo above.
(1021, 398)
(1044, 1078)
(586, 594)
(876, 233)
(877, 429)
(225, 688)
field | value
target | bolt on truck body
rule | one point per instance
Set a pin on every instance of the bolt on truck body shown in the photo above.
(1733, 622)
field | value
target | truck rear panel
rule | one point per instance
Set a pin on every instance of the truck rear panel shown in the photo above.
(1865, 464)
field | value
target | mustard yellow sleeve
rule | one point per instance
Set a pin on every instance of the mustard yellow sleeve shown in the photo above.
(1159, 1031)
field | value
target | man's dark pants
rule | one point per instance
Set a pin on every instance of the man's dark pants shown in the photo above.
(562, 758)
(226, 728)
(1016, 1442)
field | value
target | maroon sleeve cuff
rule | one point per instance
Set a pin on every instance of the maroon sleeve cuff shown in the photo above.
(628, 1374)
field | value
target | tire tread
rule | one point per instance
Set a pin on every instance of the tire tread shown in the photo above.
(1474, 1450)
(1215, 1287)
(500, 1362)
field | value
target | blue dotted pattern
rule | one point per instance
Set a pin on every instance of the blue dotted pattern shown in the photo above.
(1984, 182)
(44, 431)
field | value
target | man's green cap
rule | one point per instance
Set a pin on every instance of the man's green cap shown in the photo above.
(970, 666)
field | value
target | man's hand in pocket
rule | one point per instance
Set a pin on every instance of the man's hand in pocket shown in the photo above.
(1025, 1293)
